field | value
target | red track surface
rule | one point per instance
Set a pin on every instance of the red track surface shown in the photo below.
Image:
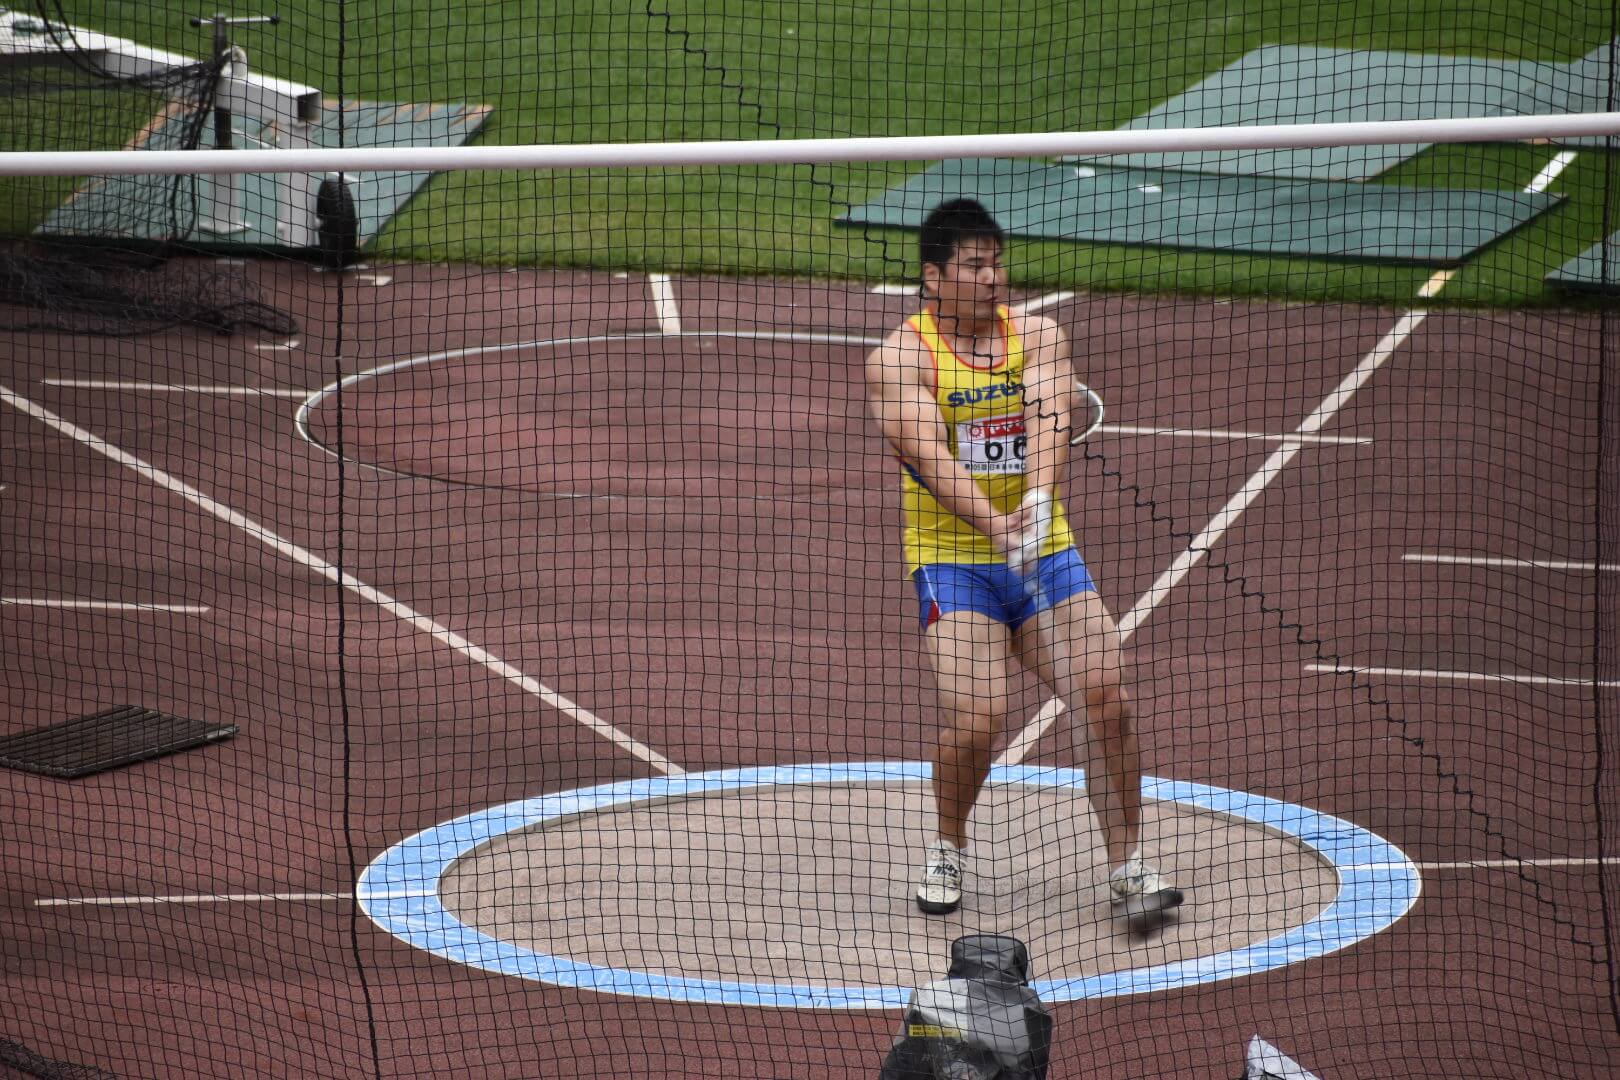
(739, 601)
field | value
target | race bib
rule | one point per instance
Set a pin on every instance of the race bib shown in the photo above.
(991, 446)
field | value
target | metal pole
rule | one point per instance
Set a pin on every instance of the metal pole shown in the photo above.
(225, 215)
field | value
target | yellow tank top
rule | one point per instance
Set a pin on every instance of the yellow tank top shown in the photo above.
(982, 408)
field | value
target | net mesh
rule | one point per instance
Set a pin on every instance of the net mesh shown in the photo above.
(548, 557)
(64, 92)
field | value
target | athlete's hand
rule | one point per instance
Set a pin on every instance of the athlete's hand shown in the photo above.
(1006, 531)
(1026, 532)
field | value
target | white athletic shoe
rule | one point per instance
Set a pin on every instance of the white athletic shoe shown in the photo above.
(1138, 889)
(941, 888)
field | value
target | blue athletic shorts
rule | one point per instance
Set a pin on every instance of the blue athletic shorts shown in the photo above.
(994, 590)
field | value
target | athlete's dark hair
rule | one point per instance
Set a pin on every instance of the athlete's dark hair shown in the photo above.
(950, 223)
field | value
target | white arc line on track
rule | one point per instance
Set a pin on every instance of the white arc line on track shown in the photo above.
(664, 306)
(439, 632)
(98, 605)
(1224, 518)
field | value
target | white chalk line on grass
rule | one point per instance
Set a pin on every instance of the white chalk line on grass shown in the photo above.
(270, 539)
(1550, 171)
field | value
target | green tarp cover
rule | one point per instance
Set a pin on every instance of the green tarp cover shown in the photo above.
(1250, 215)
(1586, 270)
(146, 207)
(1289, 84)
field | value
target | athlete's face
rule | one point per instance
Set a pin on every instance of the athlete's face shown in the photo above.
(972, 283)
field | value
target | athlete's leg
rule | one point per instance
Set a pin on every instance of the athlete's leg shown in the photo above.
(1075, 648)
(969, 652)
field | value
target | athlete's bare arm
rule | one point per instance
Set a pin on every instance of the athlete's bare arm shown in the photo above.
(1049, 402)
(899, 377)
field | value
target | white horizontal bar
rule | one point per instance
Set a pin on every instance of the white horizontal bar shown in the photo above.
(1215, 433)
(179, 388)
(801, 151)
(98, 605)
(1456, 676)
(1521, 564)
(895, 290)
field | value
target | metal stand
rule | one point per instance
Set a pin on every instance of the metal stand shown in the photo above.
(224, 214)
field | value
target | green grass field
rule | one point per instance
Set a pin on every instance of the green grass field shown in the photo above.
(736, 69)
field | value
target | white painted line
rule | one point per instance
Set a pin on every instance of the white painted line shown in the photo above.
(887, 289)
(279, 346)
(1483, 864)
(98, 605)
(193, 898)
(402, 894)
(179, 388)
(1513, 564)
(1224, 518)
(227, 898)
(663, 298)
(1546, 176)
(1040, 302)
(1206, 540)
(1454, 676)
(437, 631)
(1235, 435)
(1550, 172)
(1340, 396)
(1436, 282)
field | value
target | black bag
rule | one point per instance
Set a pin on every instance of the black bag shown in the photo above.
(981, 1022)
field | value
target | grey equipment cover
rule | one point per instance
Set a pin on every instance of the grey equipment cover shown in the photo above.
(981, 1022)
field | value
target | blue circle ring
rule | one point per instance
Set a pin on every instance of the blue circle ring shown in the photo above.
(399, 890)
